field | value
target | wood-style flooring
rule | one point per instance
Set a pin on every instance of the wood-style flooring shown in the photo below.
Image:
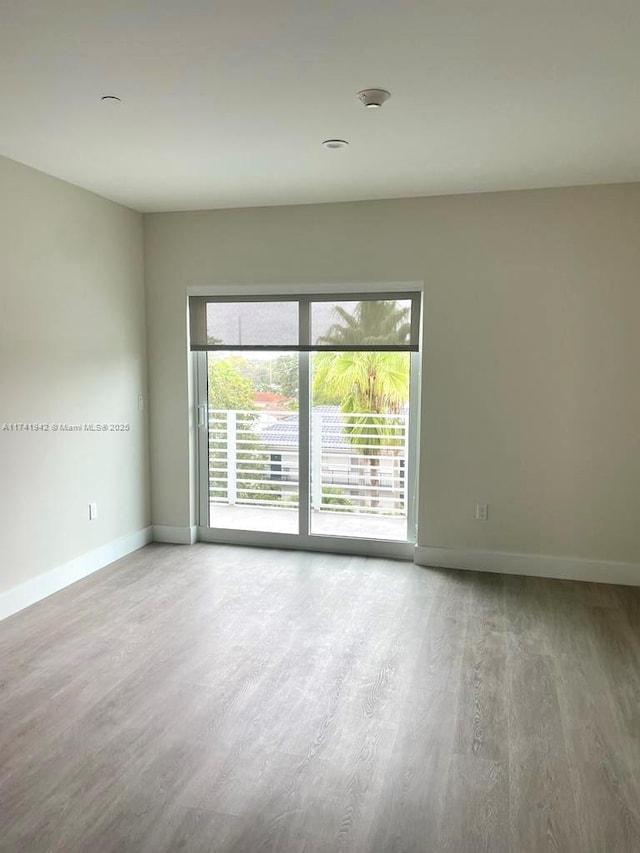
(213, 698)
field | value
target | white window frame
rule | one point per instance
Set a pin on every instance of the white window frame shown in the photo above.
(304, 540)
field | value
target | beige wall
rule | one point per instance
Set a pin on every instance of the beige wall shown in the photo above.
(531, 398)
(72, 349)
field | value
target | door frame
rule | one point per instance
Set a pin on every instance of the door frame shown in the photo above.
(304, 540)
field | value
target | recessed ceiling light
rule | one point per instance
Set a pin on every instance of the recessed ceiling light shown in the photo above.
(373, 99)
(335, 143)
(112, 99)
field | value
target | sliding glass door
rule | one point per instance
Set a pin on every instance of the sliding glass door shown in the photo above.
(307, 417)
(253, 445)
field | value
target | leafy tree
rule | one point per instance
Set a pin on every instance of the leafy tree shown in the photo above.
(228, 388)
(367, 383)
(379, 321)
(285, 375)
(336, 498)
(278, 374)
(331, 496)
(258, 371)
(230, 391)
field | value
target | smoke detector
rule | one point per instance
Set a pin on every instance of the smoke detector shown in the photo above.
(335, 143)
(373, 99)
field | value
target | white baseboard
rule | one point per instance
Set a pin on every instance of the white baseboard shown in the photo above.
(45, 584)
(175, 535)
(536, 565)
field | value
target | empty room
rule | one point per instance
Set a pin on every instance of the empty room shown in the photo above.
(319, 427)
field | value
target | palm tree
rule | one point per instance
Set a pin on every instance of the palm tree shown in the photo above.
(369, 383)
(379, 321)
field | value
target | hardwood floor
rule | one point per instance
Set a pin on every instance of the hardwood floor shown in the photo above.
(213, 698)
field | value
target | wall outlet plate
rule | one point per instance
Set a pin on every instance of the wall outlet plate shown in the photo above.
(93, 511)
(482, 512)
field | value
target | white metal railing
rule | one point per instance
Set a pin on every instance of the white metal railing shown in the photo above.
(358, 461)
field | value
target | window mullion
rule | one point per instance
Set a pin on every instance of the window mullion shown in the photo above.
(304, 394)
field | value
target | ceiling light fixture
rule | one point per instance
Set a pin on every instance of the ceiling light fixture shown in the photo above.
(335, 143)
(373, 99)
(111, 99)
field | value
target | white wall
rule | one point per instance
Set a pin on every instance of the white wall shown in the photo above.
(72, 350)
(531, 398)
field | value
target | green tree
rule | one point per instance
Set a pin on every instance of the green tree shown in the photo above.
(229, 391)
(258, 372)
(369, 384)
(331, 496)
(375, 322)
(228, 388)
(285, 375)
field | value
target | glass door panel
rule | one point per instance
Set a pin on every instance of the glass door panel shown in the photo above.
(253, 456)
(360, 444)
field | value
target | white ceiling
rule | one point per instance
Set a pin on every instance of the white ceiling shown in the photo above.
(225, 102)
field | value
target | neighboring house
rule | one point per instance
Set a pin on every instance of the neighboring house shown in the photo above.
(270, 401)
(343, 464)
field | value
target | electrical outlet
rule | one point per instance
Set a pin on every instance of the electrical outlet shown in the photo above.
(140, 403)
(93, 511)
(482, 512)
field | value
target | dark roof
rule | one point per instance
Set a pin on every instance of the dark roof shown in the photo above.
(284, 432)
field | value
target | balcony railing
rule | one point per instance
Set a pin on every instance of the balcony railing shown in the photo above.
(358, 461)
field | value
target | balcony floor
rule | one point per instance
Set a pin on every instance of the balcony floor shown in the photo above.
(323, 523)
